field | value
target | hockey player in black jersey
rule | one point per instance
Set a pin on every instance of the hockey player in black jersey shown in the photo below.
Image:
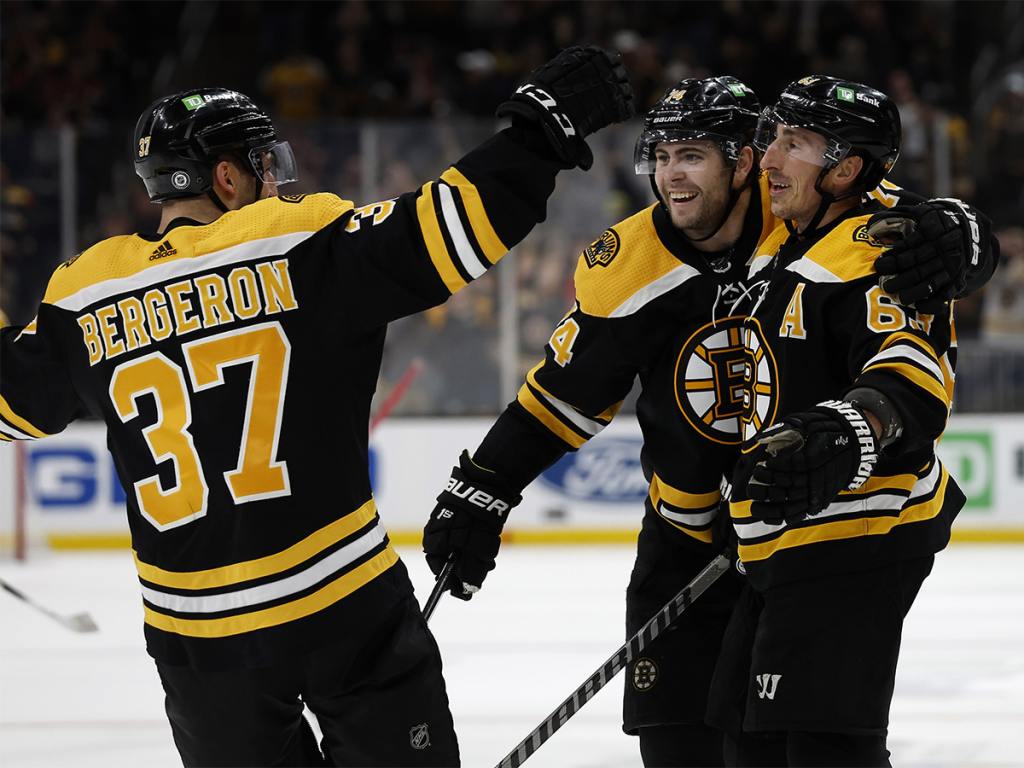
(657, 298)
(233, 355)
(838, 502)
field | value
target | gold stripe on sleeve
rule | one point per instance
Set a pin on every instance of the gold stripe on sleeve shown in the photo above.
(431, 230)
(540, 412)
(662, 491)
(489, 241)
(918, 342)
(16, 421)
(912, 373)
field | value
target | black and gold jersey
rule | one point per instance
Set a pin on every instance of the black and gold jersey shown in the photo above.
(234, 364)
(819, 326)
(649, 307)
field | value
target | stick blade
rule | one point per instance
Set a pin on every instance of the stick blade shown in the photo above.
(80, 622)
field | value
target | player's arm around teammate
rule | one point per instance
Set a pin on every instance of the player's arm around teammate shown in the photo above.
(839, 503)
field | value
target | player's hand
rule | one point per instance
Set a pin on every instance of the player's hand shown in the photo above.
(578, 92)
(467, 522)
(934, 246)
(804, 461)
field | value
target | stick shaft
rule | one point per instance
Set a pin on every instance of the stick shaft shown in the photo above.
(625, 654)
(439, 589)
(79, 623)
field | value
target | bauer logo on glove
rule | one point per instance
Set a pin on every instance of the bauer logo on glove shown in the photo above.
(475, 496)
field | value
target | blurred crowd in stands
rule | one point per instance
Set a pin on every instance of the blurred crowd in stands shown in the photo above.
(377, 96)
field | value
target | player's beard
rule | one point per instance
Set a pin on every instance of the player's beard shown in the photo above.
(700, 217)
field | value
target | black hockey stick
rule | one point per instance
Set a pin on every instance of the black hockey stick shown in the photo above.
(79, 622)
(439, 588)
(625, 654)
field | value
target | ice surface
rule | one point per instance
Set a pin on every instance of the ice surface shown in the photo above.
(546, 619)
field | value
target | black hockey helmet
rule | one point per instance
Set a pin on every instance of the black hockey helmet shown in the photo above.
(179, 139)
(720, 109)
(855, 119)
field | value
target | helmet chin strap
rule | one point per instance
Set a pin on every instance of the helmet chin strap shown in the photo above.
(212, 194)
(827, 199)
(216, 200)
(734, 196)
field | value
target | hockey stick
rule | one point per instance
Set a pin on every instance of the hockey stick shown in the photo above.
(79, 622)
(396, 394)
(439, 589)
(625, 654)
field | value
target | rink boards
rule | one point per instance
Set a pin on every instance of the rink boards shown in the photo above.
(71, 497)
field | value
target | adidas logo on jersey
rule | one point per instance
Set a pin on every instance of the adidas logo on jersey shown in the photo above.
(163, 250)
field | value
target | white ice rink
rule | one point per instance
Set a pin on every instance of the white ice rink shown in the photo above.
(546, 619)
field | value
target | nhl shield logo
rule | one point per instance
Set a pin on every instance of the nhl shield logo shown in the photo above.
(645, 674)
(419, 736)
(601, 252)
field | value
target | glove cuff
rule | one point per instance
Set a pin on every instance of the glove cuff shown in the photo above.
(480, 489)
(861, 434)
(535, 105)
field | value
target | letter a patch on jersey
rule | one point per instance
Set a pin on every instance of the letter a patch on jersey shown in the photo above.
(792, 326)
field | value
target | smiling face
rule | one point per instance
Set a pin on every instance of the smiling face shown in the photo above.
(693, 180)
(793, 162)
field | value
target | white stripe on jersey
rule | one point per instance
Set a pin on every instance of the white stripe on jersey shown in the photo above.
(589, 426)
(246, 598)
(247, 251)
(11, 431)
(813, 271)
(463, 249)
(688, 518)
(894, 502)
(653, 290)
(910, 352)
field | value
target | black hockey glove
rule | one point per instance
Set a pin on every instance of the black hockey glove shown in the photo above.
(578, 92)
(467, 522)
(935, 246)
(805, 460)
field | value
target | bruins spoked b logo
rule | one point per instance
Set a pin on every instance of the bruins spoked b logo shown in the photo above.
(709, 380)
(760, 374)
(645, 674)
(601, 252)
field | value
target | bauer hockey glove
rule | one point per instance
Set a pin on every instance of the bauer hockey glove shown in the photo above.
(934, 247)
(467, 522)
(579, 91)
(808, 458)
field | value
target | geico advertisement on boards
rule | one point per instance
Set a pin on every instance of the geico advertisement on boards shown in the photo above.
(70, 484)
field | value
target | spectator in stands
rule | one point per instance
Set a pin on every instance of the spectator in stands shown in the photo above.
(1003, 303)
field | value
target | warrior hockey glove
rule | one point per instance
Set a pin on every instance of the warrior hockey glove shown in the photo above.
(935, 246)
(578, 92)
(808, 459)
(467, 522)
